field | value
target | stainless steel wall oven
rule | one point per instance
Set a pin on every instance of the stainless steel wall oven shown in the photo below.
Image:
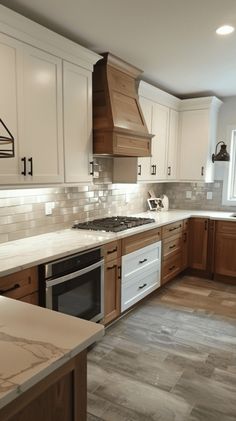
(74, 285)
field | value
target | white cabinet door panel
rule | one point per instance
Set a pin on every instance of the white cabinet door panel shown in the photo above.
(160, 121)
(144, 164)
(77, 85)
(9, 57)
(41, 115)
(172, 159)
(194, 134)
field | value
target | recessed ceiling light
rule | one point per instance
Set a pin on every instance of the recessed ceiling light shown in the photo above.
(225, 30)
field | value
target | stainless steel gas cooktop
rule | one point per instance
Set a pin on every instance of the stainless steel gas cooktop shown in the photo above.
(114, 223)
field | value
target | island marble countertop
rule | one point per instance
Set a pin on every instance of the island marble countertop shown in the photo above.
(21, 254)
(34, 342)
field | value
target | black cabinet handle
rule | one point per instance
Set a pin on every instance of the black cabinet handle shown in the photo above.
(172, 247)
(153, 170)
(142, 261)
(202, 171)
(3, 291)
(91, 168)
(185, 237)
(172, 267)
(175, 228)
(30, 160)
(112, 251)
(119, 272)
(139, 169)
(142, 286)
(169, 171)
(206, 224)
(24, 166)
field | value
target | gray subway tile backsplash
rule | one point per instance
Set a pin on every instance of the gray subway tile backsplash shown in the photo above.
(22, 212)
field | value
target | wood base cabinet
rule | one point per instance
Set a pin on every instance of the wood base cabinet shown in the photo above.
(22, 285)
(225, 249)
(112, 281)
(198, 243)
(61, 396)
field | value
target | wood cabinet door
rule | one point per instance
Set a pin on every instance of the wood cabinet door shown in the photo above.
(112, 290)
(194, 144)
(198, 243)
(9, 85)
(225, 254)
(40, 116)
(77, 97)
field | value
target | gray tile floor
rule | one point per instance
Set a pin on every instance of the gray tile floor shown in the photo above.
(168, 359)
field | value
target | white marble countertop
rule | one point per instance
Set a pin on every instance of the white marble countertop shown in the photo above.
(34, 342)
(21, 254)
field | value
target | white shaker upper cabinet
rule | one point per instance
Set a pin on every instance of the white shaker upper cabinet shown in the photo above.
(172, 156)
(40, 116)
(9, 167)
(77, 97)
(160, 127)
(144, 164)
(198, 121)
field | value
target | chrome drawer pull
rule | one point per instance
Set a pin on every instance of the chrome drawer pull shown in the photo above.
(3, 291)
(142, 286)
(142, 261)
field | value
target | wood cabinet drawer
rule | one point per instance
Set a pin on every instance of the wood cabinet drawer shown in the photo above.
(138, 241)
(172, 229)
(111, 250)
(137, 288)
(19, 284)
(31, 299)
(171, 268)
(172, 245)
(140, 260)
(226, 227)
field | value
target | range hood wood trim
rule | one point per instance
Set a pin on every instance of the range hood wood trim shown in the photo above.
(119, 125)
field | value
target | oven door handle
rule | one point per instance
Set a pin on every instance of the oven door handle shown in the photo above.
(72, 275)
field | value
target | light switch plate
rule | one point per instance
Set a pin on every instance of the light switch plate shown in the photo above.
(188, 194)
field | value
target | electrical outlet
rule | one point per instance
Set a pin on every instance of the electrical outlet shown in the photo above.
(209, 195)
(49, 207)
(188, 194)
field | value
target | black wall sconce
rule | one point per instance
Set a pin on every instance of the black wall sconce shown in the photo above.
(222, 155)
(4, 140)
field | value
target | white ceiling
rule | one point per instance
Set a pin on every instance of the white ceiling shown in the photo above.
(173, 41)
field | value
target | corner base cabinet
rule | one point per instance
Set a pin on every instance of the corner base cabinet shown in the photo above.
(225, 249)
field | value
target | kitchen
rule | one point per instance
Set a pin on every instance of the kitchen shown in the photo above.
(52, 182)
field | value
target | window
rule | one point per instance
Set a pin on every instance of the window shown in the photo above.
(229, 192)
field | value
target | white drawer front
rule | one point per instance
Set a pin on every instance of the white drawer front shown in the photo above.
(139, 287)
(141, 259)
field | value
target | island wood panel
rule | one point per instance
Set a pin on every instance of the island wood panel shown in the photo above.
(19, 284)
(225, 254)
(61, 396)
(138, 241)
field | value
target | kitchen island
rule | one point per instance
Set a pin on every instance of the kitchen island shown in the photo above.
(43, 363)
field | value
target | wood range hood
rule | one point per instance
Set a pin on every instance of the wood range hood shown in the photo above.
(119, 127)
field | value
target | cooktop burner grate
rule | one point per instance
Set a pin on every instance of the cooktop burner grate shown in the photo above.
(114, 223)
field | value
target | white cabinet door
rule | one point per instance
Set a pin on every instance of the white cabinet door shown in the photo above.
(194, 135)
(172, 156)
(160, 123)
(9, 58)
(40, 116)
(144, 164)
(77, 97)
